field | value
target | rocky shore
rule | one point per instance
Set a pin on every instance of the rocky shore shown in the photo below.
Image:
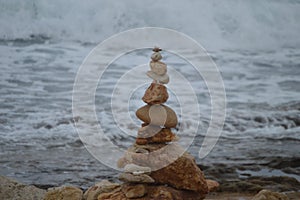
(256, 188)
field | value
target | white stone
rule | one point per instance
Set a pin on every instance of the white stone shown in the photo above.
(164, 79)
(136, 169)
(159, 68)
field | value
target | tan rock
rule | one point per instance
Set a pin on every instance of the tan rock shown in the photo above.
(102, 187)
(163, 79)
(159, 115)
(158, 68)
(212, 185)
(64, 193)
(155, 192)
(140, 178)
(269, 195)
(182, 174)
(156, 94)
(11, 189)
(134, 191)
(163, 136)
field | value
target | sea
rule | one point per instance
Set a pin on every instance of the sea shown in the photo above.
(255, 45)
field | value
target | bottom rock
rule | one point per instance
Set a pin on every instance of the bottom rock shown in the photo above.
(150, 192)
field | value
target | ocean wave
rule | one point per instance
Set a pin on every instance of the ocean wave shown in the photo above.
(264, 24)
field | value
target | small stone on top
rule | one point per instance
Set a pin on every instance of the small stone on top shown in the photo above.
(156, 49)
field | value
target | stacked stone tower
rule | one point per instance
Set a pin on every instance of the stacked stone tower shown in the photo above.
(156, 167)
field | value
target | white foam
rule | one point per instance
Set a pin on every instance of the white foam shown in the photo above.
(215, 24)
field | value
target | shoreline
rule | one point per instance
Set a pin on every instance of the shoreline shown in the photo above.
(240, 189)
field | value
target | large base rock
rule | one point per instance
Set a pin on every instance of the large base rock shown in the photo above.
(182, 174)
(13, 190)
(170, 165)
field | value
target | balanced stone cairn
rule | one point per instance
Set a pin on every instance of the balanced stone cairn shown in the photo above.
(156, 167)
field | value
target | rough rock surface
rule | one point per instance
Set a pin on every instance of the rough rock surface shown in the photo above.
(182, 174)
(104, 186)
(159, 115)
(156, 94)
(13, 190)
(64, 193)
(269, 195)
(155, 192)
